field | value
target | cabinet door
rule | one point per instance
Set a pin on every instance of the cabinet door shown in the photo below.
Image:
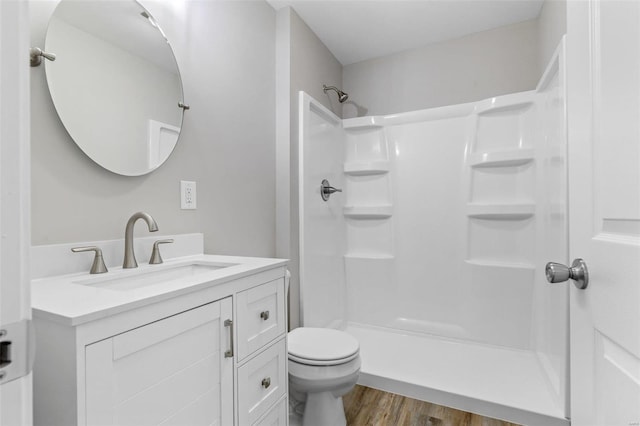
(169, 372)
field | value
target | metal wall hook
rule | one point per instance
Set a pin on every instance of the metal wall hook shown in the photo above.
(184, 106)
(36, 54)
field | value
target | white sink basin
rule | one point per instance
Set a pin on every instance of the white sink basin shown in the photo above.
(135, 279)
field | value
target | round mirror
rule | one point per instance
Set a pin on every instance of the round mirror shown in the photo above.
(115, 83)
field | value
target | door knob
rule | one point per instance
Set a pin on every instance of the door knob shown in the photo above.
(578, 272)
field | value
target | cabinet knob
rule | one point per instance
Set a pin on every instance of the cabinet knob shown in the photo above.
(266, 382)
(264, 315)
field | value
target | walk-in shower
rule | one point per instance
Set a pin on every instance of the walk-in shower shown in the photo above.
(433, 255)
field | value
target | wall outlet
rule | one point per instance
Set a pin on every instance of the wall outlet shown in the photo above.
(187, 195)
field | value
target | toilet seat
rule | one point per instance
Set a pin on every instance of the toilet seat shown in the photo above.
(321, 346)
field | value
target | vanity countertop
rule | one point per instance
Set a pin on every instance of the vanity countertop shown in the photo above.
(74, 299)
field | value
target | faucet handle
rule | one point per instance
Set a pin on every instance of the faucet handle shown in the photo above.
(98, 266)
(155, 254)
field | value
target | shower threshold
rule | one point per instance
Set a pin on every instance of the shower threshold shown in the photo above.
(498, 382)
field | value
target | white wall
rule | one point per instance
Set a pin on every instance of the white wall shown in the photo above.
(322, 243)
(550, 336)
(471, 68)
(226, 54)
(304, 63)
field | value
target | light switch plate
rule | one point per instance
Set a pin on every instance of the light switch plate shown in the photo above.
(187, 195)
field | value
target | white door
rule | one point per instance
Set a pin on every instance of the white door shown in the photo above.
(15, 389)
(604, 186)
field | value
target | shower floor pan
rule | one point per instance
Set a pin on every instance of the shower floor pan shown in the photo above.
(497, 382)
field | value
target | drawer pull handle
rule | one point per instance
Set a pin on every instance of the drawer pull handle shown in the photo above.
(266, 382)
(229, 353)
(264, 315)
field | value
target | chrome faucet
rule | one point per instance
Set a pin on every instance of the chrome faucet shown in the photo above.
(129, 255)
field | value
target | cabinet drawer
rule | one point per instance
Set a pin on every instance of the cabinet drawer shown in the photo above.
(277, 416)
(261, 316)
(261, 382)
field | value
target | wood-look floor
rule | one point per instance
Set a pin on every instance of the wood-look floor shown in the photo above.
(370, 407)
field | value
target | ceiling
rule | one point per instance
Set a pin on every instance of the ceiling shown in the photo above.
(357, 30)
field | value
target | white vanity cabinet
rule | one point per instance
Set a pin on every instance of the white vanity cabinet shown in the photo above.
(211, 354)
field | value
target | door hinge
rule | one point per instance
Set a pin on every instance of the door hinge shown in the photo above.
(17, 350)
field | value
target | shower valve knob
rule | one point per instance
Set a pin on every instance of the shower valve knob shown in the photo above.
(326, 189)
(578, 272)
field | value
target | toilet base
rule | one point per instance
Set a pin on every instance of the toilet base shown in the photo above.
(323, 409)
(295, 416)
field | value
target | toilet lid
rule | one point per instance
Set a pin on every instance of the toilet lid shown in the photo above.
(321, 346)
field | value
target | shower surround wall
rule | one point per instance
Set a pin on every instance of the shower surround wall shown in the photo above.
(447, 218)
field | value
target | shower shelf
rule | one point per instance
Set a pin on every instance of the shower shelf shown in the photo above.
(364, 168)
(368, 212)
(499, 264)
(511, 158)
(501, 211)
(361, 123)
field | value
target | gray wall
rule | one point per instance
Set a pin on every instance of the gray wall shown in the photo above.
(226, 54)
(471, 68)
(552, 25)
(490, 63)
(304, 63)
(312, 65)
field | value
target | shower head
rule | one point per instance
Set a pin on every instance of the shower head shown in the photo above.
(341, 95)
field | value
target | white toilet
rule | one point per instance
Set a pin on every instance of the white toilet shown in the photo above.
(323, 366)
